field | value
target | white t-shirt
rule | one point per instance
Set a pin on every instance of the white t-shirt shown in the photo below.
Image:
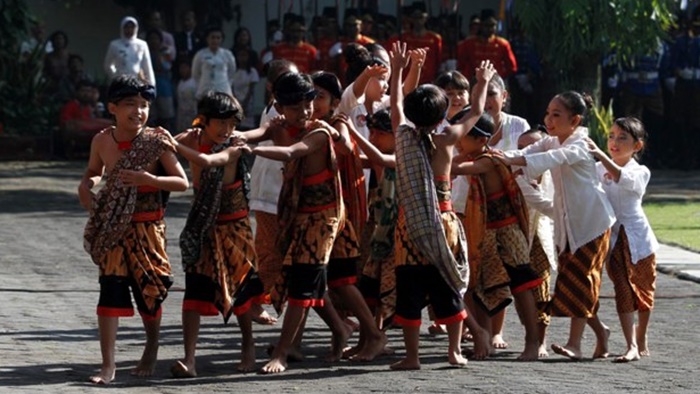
(213, 71)
(266, 175)
(186, 103)
(241, 87)
(130, 57)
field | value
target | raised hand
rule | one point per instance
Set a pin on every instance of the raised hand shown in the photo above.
(398, 56)
(485, 71)
(418, 56)
(168, 138)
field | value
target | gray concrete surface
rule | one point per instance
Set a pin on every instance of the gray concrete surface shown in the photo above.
(48, 334)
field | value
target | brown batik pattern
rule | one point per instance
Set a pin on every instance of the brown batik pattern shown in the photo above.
(634, 284)
(577, 286)
(540, 263)
(269, 258)
(406, 252)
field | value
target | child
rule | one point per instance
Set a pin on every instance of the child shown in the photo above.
(582, 218)
(244, 80)
(125, 235)
(427, 265)
(539, 195)
(497, 228)
(456, 87)
(632, 261)
(217, 241)
(311, 214)
(186, 102)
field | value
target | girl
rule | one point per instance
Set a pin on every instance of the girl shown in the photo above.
(244, 80)
(213, 67)
(582, 217)
(456, 87)
(632, 261)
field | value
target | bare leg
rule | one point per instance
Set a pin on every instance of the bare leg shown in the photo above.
(602, 333)
(454, 352)
(190, 332)
(642, 326)
(147, 364)
(245, 322)
(260, 315)
(107, 327)
(290, 326)
(411, 338)
(527, 310)
(497, 323)
(482, 339)
(572, 349)
(373, 338)
(542, 338)
(341, 331)
(627, 323)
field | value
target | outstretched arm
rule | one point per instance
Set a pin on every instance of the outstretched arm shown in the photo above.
(362, 80)
(484, 73)
(471, 167)
(611, 167)
(417, 60)
(374, 155)
(306, 146)
(399, 61)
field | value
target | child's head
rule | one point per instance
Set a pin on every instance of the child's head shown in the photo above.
(381, 134)
(565, 112)
(456, 87)
(329, 91)
(214, 36)
(425, 106)
(242, 38)
(130, 100)
(294, 98)
(218, 114)
(476, 140)
(242, 56)
(184, 68)
(154, 38)
(358, 59)
(277, 67)
(531, 136)
(58, 40)
(496, 95)
(626, 139)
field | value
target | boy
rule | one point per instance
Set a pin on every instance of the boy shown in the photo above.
(310, 215)
(217, 241)
(125, 234)
(497, 235)
(427, 265)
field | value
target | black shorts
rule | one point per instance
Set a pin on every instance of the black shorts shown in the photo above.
(415, 284)
(306, 284)
(200, 295)
(342, 272)
(115, 297)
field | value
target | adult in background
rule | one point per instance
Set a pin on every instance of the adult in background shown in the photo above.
(129, 55)
(154, 21)
(486, 46)
(295, 49)
(213, 67)
(189, 40)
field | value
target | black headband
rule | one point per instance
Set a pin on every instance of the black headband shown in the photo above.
(295, 97)
(219, 114)
(148, 92)
(478, 131)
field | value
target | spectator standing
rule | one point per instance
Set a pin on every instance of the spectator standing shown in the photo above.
(129, 55)
(189, 40)
(155, 22)
(420, 37)
(213, 67)
(486, 46)
(163, 106)
(295, 49)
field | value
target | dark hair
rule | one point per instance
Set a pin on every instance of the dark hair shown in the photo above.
(425, 106)
(293, 88)
(219, 105)
(540, 128)
(275, 68)
(240, 31)
(452, 79)
(75, 57)
(358, 58)
(328, 81)
(57, 33)
(498, 81)
(213, 29)
(576, 103)
(125, 86)
(635, 128)
(484, 126)
(156, 32)
(85, 83)
(380, 120)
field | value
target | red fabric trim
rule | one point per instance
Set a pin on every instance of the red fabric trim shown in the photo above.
(445, 206)
(317, 208)
(496, 195)
(406, 322)
(148, 216)
(147, 189)
(114, 312)
(204, 308)
(527, 286)
(443, 178)
(228, 217)
(334, 284)
(317, 178)
(453, 319)
(308, 303)
(124, 145)
(502, 223)
(205, 148)
(242, 309)
(147, 317)
(233, 185)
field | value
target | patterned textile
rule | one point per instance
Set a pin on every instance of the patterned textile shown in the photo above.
(577, 287)
(418, 198)
(540, 263)
(346, 245)
(634, 283)
(386, 212)
(269, 257)
(352, 180)
(110, 215)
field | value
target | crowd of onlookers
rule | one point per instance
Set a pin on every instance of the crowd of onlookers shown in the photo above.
(663, 87)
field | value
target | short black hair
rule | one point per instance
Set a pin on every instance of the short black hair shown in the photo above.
(124, 86)
(219, 105)
(452, 79)
(328, 81)
(425, 106)
(293, 88)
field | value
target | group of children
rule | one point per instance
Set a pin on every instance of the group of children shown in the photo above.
(380, 256)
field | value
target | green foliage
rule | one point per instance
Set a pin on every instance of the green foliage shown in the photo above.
(22, 85)
(601, 120)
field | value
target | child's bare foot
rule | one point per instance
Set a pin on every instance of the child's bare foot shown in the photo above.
(147, 364)
(350, 352)
(294, 355)
(642, 346)
(276, 365)
(601, 346)
(530, 353)
(182, 370)
(437, 329)
(339, 342)
(105, 376)
(456, 359)
(632, 354)
(247, 363)
(574, 354)
(352, 324)
(405, 365)
(498, 343)
(467, 335)
(373, 347)
(482, 346)
(542, 351)
(261, 316)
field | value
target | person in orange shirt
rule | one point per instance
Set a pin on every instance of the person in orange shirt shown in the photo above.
(420, 37)
(486, 46)
(295, 50)
(352, 33)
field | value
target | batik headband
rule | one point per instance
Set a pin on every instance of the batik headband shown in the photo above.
(148, 92)
(295, 97)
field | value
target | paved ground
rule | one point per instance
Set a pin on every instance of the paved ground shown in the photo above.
(48, 335)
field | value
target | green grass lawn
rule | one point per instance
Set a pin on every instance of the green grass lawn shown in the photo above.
(676, 222)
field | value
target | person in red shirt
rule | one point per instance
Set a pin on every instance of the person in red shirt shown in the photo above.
(81, 118)
(486, 46)
(420, 37)
(295, 50)
(352, 28)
